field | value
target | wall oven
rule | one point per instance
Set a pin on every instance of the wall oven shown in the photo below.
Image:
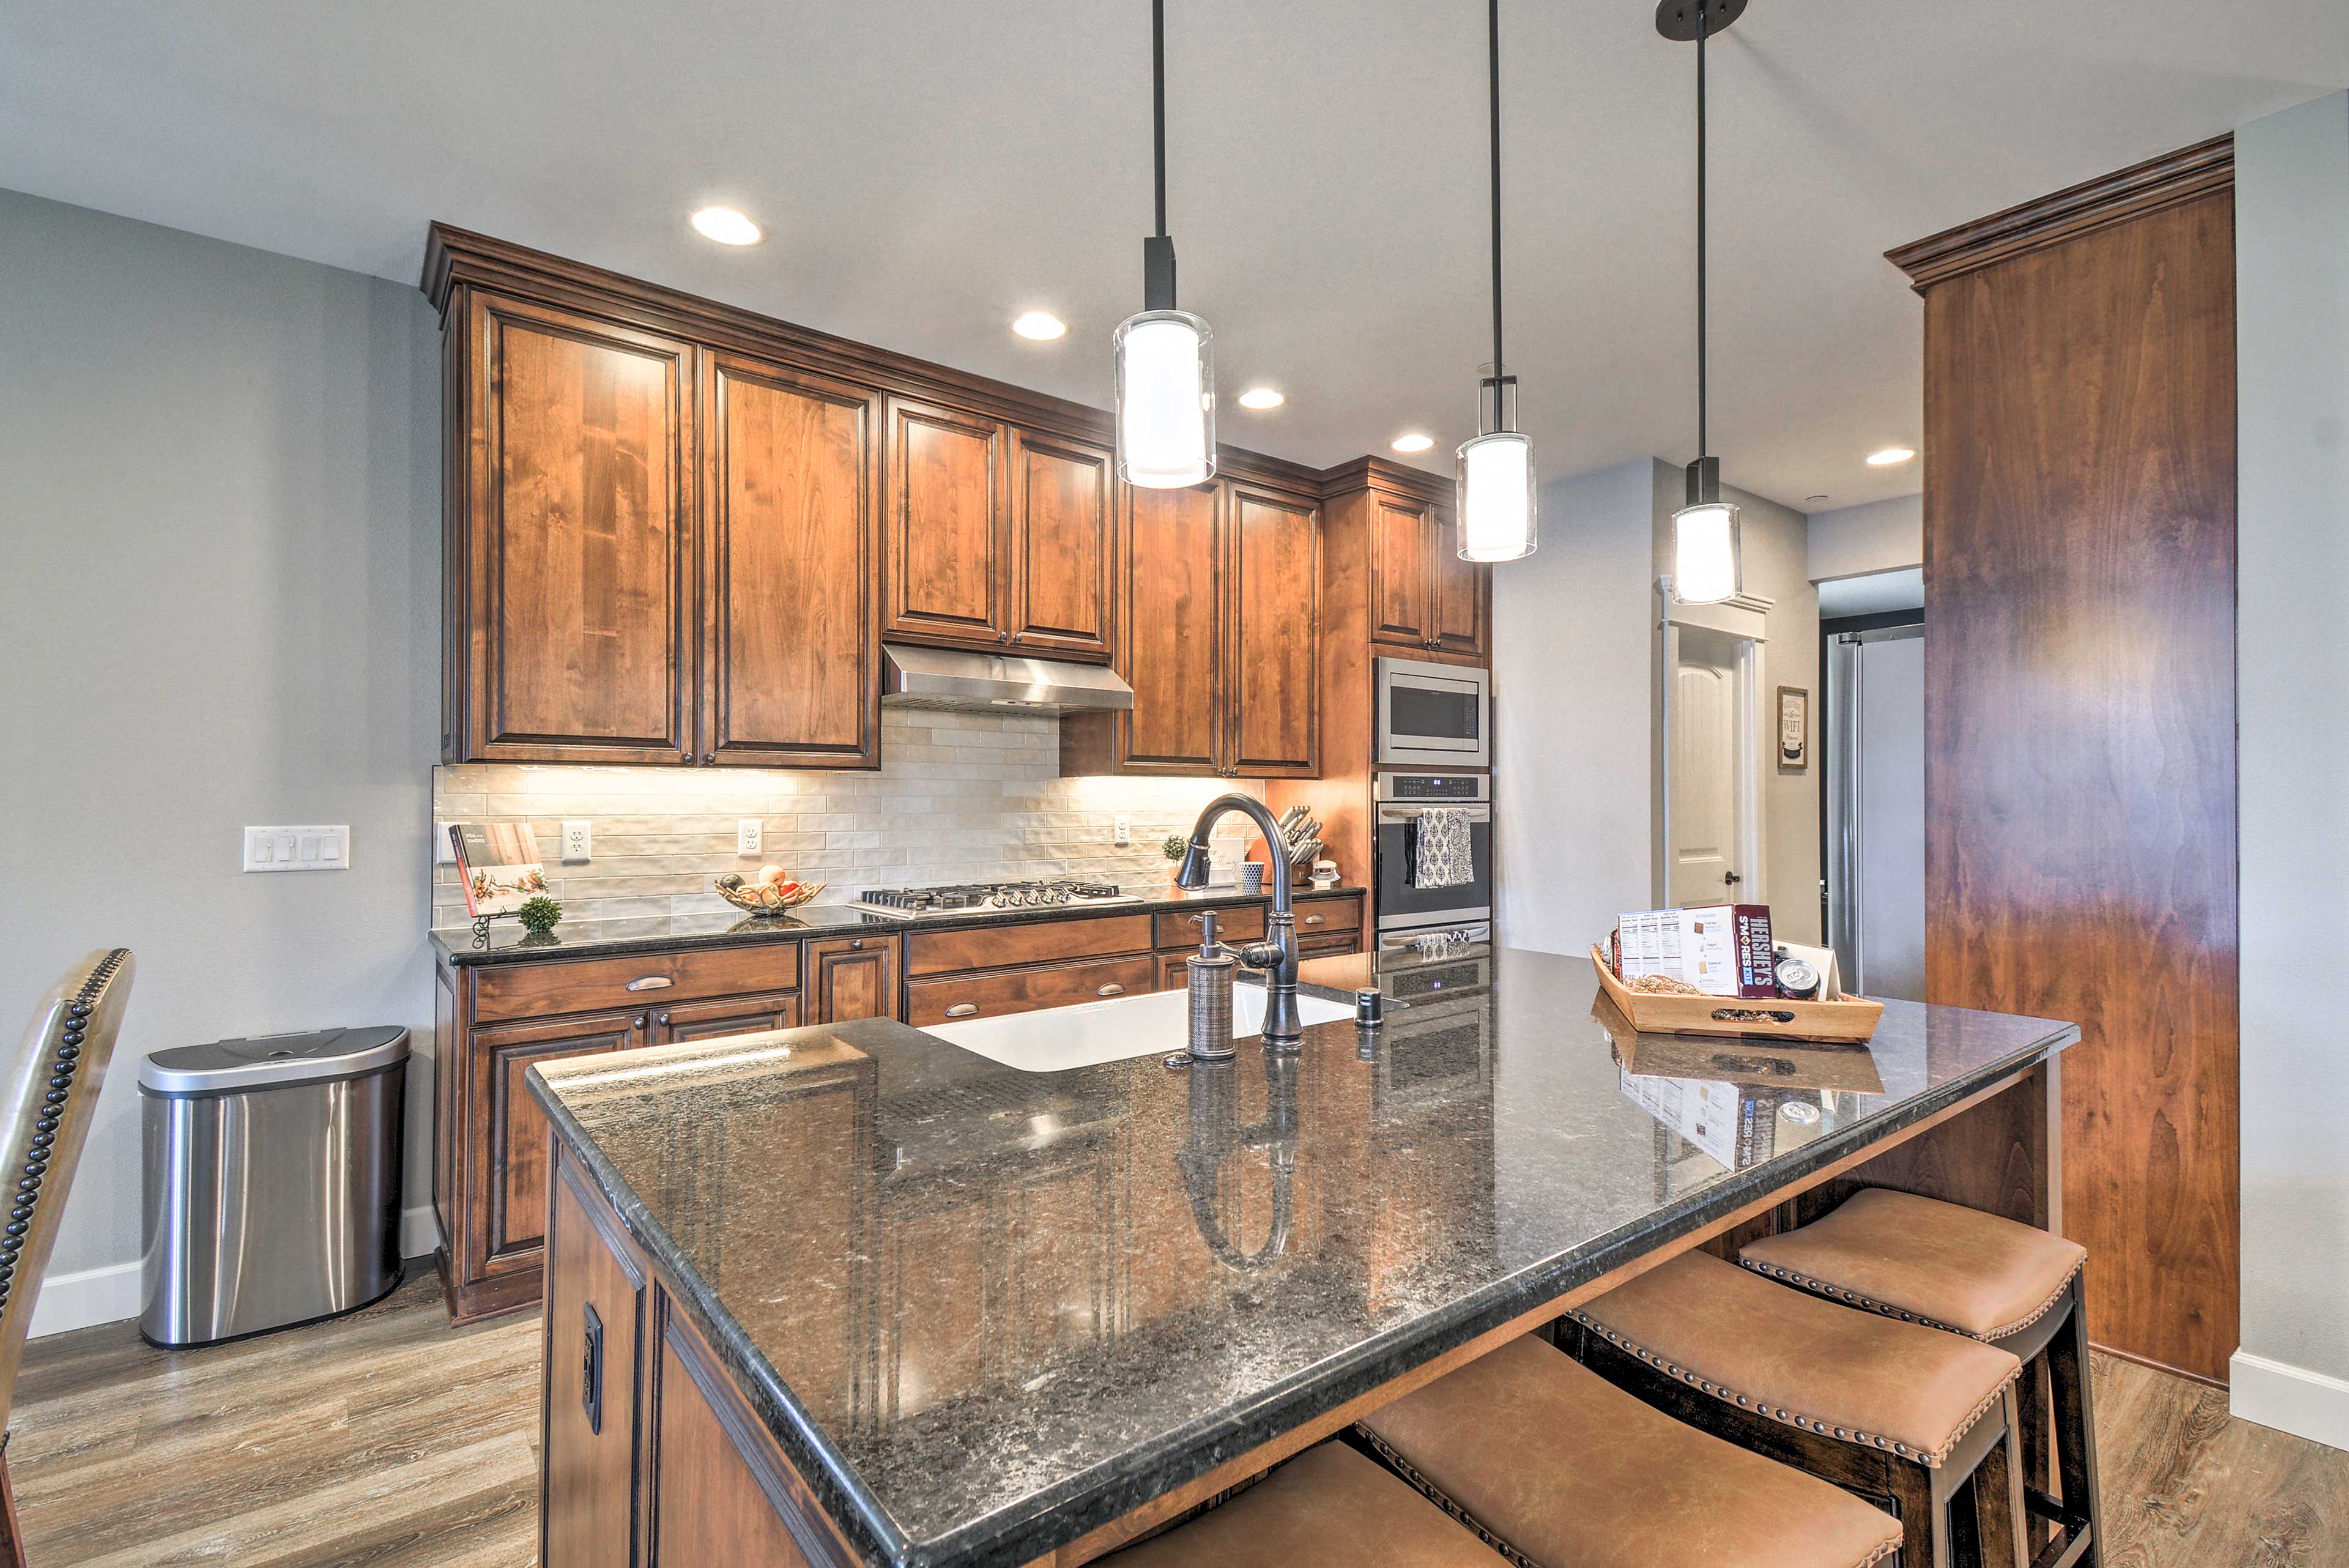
(1405, 906)
(1434, 715)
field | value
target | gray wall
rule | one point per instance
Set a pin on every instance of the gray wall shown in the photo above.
(2291, 237)
(1571, 631)
(1877, 537)
(220, 607)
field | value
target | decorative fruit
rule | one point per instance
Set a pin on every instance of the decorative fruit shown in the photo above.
(732, 879)
(770, 874)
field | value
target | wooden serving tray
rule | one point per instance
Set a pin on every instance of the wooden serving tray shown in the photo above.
(1852, 1020)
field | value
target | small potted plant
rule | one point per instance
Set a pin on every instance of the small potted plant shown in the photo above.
(1175, 849)
(538, 915)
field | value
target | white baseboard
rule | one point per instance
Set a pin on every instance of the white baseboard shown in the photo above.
(68, 1302)
(2290, 1398)
(116, 1294)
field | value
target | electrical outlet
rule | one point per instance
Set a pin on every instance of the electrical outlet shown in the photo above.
(1121, 829)
(749, 833)
(298, 849)
(578, 842)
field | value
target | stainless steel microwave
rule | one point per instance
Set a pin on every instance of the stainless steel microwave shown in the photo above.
(1434, 715)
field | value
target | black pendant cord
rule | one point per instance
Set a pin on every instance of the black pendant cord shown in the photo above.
(1493, 36)
(1158, 103)
(1703, 445)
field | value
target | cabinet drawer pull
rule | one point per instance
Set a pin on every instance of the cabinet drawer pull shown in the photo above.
(1111, 989)
(1316, 919)
(962, 1009)
(651, 982)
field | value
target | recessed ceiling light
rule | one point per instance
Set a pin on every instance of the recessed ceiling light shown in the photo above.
(1414, 442)
(727, 226)
(1261, 398)
(1815, 500)
(1890, 455)
(1040, 325)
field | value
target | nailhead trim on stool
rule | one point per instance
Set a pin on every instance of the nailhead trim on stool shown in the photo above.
(1435, 1495)
(1794, 1419)
(1885, 1309)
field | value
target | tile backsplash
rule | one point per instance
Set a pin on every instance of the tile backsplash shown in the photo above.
(962, 797)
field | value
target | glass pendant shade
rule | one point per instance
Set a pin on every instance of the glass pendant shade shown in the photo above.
(1496, 498)
(1166, 400)
(1704, 554)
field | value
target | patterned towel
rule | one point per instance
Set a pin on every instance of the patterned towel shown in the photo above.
(1439, 849)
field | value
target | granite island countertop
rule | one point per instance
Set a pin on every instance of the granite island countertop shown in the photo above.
(509, 943)
(984, 1311)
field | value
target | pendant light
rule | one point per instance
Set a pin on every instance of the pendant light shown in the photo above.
(1707, 565)
(1165, 357)
(1496, 469)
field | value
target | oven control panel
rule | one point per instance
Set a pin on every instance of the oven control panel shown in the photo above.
(1433, 786)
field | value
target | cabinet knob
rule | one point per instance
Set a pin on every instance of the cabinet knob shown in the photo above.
(962, 1009)
(1111, 989)
(856, 944)
(644, 1021)
(709, 757)
(664, 1018)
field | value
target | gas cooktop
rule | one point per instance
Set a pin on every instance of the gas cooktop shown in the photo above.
(991, 897)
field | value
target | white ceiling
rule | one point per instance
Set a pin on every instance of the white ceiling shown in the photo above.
(929, 167)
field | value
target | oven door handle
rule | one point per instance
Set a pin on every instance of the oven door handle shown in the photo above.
(1412, 813)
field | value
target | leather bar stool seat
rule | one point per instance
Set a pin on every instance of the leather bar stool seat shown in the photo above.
(1328, 1504)
(1992, 1279)
(1560, 1468)
(1925, 1262)
(1920, 1418)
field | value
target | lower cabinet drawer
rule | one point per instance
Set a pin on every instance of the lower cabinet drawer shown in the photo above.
(1328, 915)
(1007, 992)
(1337, 942)
(585, 985)
(1236, 924)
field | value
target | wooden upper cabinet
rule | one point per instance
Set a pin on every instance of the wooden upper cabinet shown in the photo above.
(1059, 547)
(1462, 593)
(946, 568)
(1274, 664)
(1400, 608)
(569, 536)
(790, 557)
(1170, 598)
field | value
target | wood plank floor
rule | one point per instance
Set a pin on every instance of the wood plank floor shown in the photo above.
(389, 1441)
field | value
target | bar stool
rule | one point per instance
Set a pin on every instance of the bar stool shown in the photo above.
(2008, 1284)
(1894, 1411)
(1555, 1467)
(1328, 1504)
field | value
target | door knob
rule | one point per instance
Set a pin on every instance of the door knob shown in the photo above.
(1731, 877)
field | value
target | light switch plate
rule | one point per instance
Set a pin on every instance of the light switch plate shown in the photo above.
(298, 849)
(578, 842)
(749, 834)
(444, 853)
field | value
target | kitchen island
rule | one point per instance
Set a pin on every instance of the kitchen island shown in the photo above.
(852, 1294)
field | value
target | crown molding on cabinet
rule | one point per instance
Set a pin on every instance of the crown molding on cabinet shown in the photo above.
(455, 257)
(2050, 220)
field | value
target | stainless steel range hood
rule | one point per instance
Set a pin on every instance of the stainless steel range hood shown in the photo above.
(996, 682)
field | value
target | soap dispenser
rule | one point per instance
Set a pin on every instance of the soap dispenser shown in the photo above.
(1212, 970)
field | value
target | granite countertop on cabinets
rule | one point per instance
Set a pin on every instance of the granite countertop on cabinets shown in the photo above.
(985, 1311)
(509, 943)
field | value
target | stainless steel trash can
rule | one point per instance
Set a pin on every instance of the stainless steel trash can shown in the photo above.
(272, 1181)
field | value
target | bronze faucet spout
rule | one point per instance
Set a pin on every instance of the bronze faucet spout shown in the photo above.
(1276, 956)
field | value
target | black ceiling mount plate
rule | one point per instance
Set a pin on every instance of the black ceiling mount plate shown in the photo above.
(1676, 19)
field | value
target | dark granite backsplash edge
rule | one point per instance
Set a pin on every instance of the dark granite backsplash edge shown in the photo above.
(1064, 1513)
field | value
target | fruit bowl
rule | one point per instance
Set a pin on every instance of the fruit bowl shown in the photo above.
(771, 897)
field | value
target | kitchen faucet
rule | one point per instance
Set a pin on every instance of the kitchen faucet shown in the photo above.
(1276, 956)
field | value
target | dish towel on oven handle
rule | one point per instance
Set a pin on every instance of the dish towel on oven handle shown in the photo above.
(1440, 855)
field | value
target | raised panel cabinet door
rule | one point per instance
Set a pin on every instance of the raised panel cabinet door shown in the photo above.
(729, 1015)
(716, 1488)
(1170, 610)
(1060, 537)
(790, 555)
(850, 978)
(944, 539)
(595, 1305)
(1463, 592)
(1274, 671)
(1399, 572)
(576, 526)
(510, 1143)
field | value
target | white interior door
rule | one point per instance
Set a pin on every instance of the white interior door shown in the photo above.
(1707, 797)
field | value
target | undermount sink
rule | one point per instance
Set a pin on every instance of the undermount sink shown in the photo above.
(1092, 1032)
